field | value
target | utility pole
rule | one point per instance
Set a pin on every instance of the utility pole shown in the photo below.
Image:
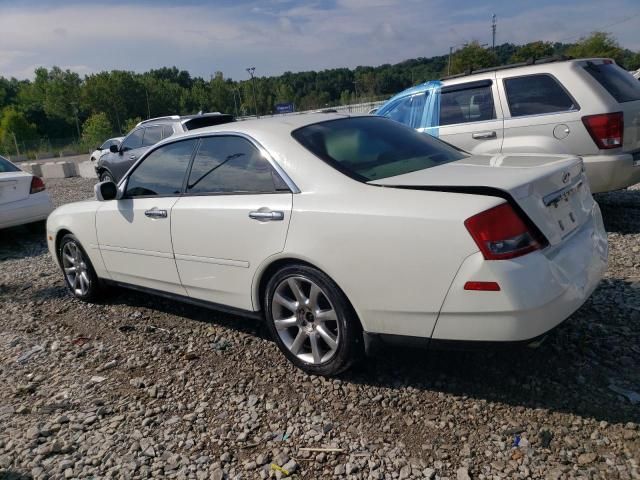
(251, 71)
(15, 141)
(451, 49)
(235, 103)
(355, 85)
(146, 92)
(494, 25)
(75, 113)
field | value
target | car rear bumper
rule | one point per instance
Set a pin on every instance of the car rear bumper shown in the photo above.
(35, 208)
(538, 291)
(612, 172)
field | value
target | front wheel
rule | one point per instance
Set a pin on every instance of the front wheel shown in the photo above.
(79, 275)
(107, 177)
(312, 321)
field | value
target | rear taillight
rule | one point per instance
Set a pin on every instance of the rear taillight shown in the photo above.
(37, 185)
(606, 129)
(500, 233)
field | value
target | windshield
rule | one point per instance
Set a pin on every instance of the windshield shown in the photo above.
(7, 166)
(371, 148)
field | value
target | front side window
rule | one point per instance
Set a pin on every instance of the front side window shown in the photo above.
(372, 148)
(152, 135)
(619, 83)
(536, 95)
(407, 110)
(226, 164)
(133, 141)
(463, 105)
(162, 172)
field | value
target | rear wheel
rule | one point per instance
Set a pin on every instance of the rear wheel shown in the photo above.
(107, 177)
(312, 321)
(79, 275)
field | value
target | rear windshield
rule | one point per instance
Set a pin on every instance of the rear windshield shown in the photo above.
(371, 148)
(207, 121)
(7, 166)
(618, 82)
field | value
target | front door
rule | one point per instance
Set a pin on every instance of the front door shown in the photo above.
(134, 233)
(470, 116)
(234, 215)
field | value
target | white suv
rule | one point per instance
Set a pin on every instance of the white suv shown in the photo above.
(587, 107)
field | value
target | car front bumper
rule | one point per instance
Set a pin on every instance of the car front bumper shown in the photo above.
(538, 291)
(612, 172)
(34, 208)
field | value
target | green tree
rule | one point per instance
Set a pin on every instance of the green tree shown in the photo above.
(534, 50)
(14, 127)
(598, 44)
(130, 124)
(96, 129)
(472, 57)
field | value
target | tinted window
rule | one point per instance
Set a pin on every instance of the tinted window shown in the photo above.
(167, 131)
(466, 105)
(7, 166)
(163, 171)
(407, 110)
(152, 135)
(207, 121)
(535, 95)
(134, 140)
(619, 83)
(230, 164)
(371, 148)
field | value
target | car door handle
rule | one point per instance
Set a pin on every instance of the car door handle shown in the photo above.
(133, 157)
(156, 213)
(268, 216)
(483, 135)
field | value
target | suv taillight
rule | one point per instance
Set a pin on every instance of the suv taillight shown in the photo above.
(37, 185)
(501, 234)
(606, 129)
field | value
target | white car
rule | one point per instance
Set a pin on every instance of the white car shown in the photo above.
(338, 229)
(23, 198)
(104, 148)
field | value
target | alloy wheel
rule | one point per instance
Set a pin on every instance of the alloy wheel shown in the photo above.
(305, 320)
(76, 269)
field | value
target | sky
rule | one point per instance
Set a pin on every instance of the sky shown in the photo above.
(276, 36)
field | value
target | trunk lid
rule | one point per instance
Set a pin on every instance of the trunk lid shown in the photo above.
(551, 189)
(14, 186)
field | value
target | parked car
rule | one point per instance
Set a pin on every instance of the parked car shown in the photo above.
(586, 107)
(338, 229)
(23, 198)
(104, 148)
(113, 165)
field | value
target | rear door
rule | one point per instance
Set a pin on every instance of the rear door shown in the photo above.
(233, 216)
(470, 115)
(134, 233)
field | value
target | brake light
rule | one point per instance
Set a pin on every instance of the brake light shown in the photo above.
(37, 185)
(482, 286)
(501, 234)
(606, 129)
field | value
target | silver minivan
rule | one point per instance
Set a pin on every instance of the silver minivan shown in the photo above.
(586, 107)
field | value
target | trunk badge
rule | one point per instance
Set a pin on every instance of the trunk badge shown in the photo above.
(565, 177)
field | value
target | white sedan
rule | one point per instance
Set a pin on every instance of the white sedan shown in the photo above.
(23, 199)
(104, 148)
(340, 229)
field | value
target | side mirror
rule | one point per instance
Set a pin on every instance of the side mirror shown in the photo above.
(114, 148)
(105, 191)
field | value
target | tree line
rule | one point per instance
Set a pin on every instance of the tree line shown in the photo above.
(60, 105)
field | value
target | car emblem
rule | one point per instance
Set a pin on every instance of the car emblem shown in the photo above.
(565, 177)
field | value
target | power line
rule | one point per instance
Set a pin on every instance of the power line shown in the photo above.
(603, 26)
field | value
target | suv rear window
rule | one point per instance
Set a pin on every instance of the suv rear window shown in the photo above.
(207, 121)
(371, 148)
(536, 95)
(619, 83)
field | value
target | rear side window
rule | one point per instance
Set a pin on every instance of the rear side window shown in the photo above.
(162, 172)
(152, 135)
(408, 110)
(463, 105)
(134, 140)
(167, 131)
(536, 95)
(619, 83)
(229, 164)
(371, 148)
(7, 166)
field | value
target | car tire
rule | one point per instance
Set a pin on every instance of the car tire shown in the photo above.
(312, 321)
(83, 283)
(107, 177)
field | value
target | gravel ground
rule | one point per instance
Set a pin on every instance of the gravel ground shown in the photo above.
(140, 387)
